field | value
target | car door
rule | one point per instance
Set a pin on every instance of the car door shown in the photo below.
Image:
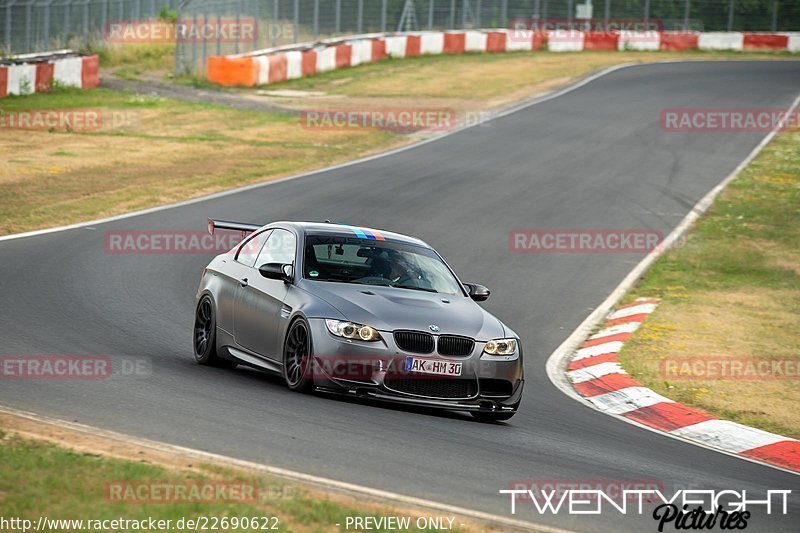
(235, 269)
(259, 300)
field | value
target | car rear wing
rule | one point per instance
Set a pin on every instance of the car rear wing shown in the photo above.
(235, 226)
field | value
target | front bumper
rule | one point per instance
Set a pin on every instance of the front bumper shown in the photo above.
(375, 370)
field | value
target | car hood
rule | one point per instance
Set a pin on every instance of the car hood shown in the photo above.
(388, 309)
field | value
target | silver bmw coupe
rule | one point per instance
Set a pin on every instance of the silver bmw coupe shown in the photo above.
(356, 311)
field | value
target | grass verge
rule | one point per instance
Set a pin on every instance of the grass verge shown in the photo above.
(486, 78)
(151, 151)
(731, 292)
(41, 479)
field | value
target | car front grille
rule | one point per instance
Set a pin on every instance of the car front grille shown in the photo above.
(451, 388)
(414, 341)
(457, 346)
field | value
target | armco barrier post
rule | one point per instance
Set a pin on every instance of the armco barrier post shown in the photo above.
(730, 15)
(296, 24)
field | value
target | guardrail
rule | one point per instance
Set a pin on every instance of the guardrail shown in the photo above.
(273, 65)
(29, 73)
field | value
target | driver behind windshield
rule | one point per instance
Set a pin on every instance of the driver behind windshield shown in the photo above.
(351, 260)
(401, 272)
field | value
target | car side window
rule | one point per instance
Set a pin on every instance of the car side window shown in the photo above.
(279, 248)
(249, 250)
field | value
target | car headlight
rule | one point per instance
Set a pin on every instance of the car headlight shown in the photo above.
(501, 347)
(351, 330)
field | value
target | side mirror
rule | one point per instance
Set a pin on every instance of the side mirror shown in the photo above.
(279, 271)
(479, 293)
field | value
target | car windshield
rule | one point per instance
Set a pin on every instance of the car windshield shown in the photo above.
(375, 262)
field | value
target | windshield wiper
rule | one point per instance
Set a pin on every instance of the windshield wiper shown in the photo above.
(414, 287)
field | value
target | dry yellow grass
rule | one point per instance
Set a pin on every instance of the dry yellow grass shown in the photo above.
(482, 77)
(168, 152)
(172, 151)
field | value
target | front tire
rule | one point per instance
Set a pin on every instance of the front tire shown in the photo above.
(205, 335)
(297, 357)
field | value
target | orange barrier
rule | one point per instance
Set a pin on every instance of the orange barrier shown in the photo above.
(600, 40)
(309, 62)
(3, 82)
(44, 76)
(277, 68)
(454, 43)
(241, 71)
(765, 41)
(90, 72)
(344, 53)
(677, 41)
(378, 49)
(496, 41)
(413, 45)
(539, 40)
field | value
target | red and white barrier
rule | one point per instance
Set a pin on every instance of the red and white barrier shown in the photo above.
(640, 40)
(326, 59)
(38, 72)
(718, 40)
(565, 41)
(596, 374)
(396, 45)
(361, 52)
(793, 41)
(431, 43)
(306, 60)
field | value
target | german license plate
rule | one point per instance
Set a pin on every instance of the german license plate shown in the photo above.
(433, 366)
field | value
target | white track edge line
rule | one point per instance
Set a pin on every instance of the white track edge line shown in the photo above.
(557, 361)
(390, 497)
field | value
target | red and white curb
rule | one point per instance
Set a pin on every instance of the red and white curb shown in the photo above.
(26, 74)
(597, 376)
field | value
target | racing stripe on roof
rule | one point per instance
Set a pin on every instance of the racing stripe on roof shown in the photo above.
(363, 233)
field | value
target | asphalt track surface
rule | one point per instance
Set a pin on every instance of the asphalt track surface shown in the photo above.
(595, 157)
